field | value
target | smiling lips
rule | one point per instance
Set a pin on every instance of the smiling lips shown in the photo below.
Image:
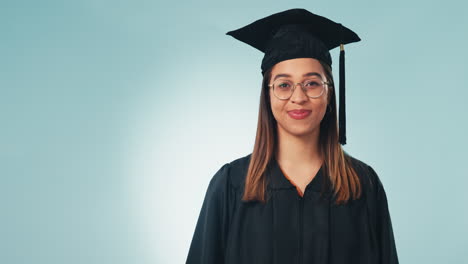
(299, 114)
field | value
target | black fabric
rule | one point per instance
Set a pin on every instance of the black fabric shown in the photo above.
(342, 110)
(289, 228)
(292, 41)
(294, 33)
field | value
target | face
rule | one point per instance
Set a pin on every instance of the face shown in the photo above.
(296, 68)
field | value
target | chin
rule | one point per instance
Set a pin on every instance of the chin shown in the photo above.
(301, 133)
(298, 130)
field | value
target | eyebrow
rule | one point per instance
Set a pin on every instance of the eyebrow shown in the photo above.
(307, 74)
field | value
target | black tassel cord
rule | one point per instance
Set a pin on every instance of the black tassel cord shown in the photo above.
(342, 117)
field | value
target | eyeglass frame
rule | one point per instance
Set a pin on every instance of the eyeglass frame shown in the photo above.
(324, 83)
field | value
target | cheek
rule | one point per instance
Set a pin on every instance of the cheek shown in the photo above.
(273, 102)
(321, 109)
(322, 106)
(276, 108)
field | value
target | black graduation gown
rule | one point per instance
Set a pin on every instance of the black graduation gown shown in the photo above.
(290, 228)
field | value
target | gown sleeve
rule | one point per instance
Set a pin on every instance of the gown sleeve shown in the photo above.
(383, 225)
(208, 242)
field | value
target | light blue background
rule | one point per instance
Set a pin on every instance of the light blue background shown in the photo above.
(116, 114)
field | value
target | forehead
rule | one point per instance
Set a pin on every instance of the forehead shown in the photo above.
(297, 67)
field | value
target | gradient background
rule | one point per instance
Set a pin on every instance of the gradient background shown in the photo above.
(116, 114)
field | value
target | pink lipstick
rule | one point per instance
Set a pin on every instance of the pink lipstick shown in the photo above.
(299, 114)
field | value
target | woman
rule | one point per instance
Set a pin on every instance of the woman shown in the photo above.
(298, 197)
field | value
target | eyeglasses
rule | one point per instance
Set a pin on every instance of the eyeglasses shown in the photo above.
(313, 88)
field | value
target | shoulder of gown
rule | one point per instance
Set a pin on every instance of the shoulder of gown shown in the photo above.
(209, 239)
(378, 207)
(238, 171)
(369, 178)
(230, 175)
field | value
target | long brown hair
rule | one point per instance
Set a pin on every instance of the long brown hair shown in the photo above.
(337, 163)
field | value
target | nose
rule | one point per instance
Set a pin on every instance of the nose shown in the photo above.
(299, 96)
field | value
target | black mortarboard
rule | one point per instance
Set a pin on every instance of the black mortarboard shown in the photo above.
(298, 33)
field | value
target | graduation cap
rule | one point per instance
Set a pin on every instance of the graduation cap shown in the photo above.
(298, 33)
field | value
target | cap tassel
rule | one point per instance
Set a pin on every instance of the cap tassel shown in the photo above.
(342, 117)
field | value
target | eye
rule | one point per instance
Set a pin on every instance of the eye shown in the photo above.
(284, 85)
(312, 83)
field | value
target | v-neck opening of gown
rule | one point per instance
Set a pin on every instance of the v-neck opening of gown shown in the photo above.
(295, 185)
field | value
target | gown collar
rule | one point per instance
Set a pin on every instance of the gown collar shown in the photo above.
(277, 179)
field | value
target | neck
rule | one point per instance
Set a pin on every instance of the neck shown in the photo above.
(294, 149)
